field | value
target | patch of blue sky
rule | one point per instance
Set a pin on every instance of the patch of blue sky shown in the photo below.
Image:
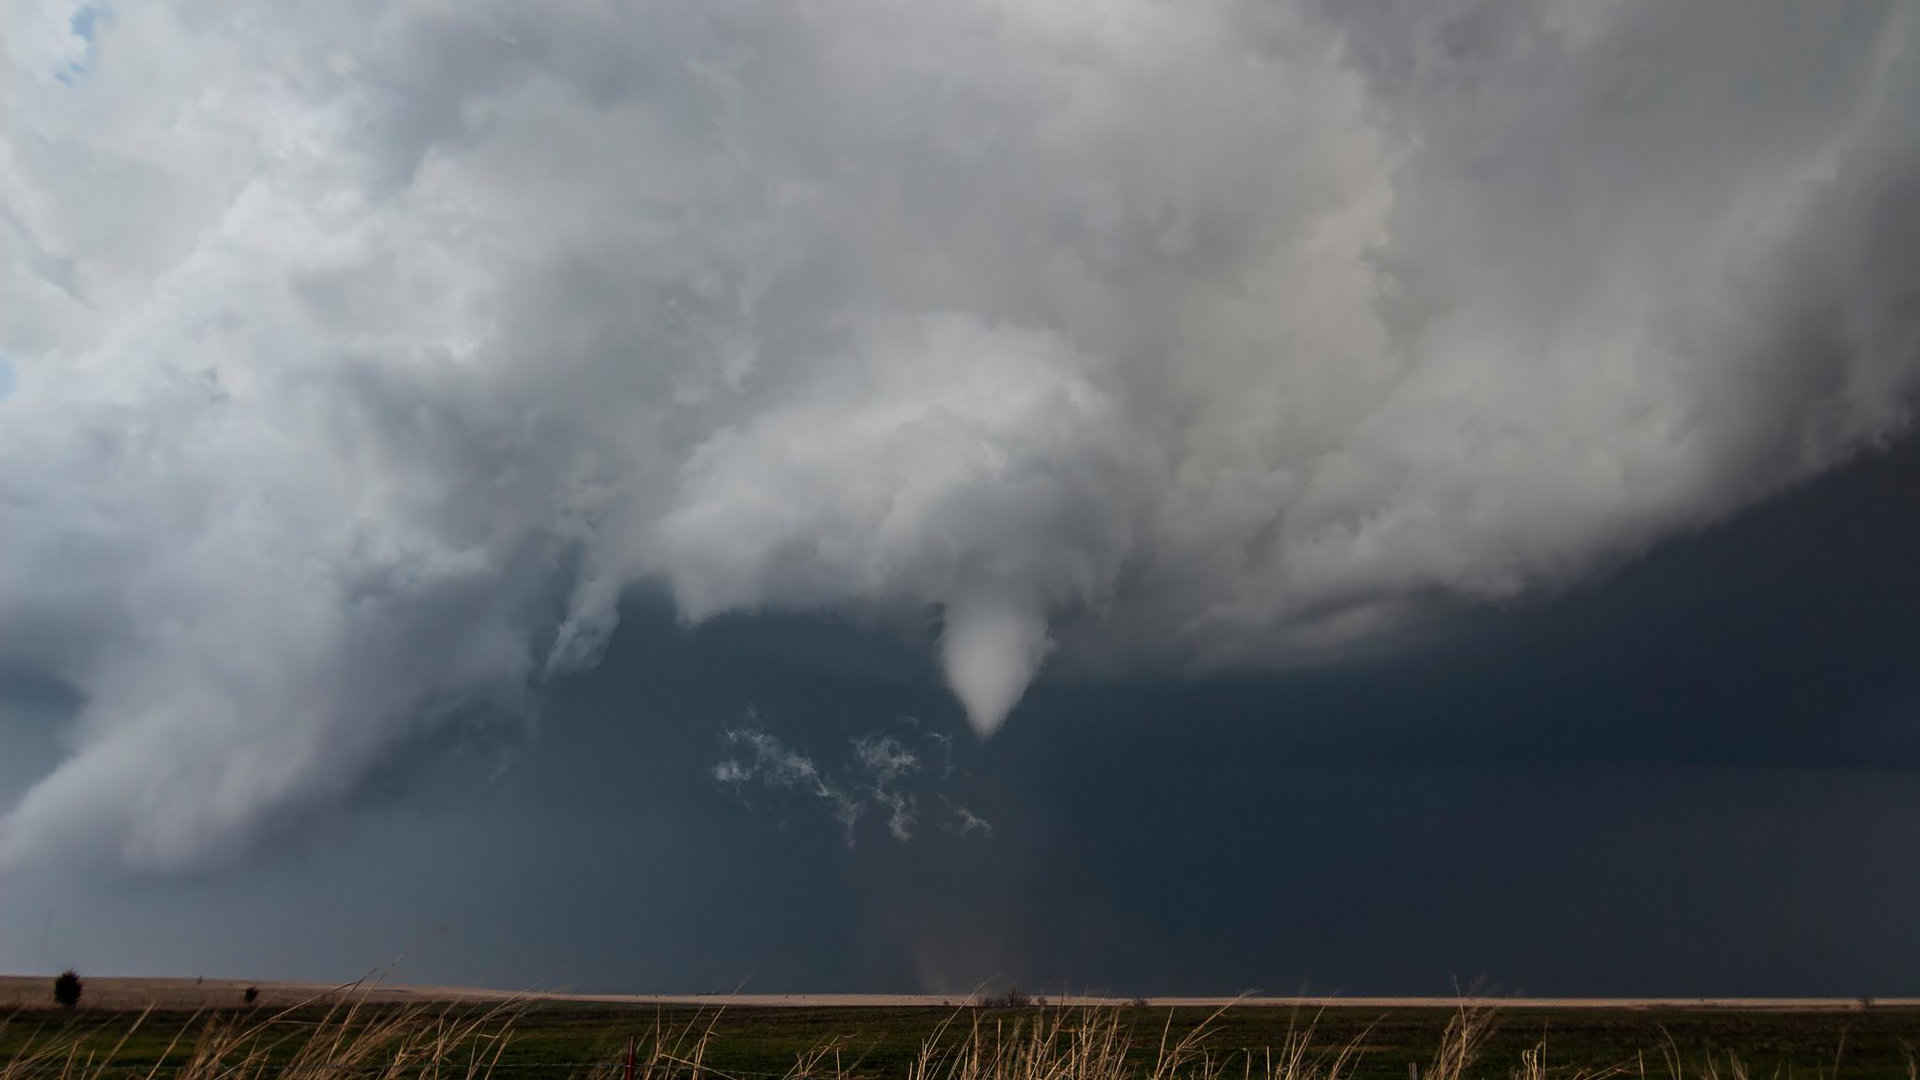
(84, 19)
(84, 23)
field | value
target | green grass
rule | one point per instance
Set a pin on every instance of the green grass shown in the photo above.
(570, 1040)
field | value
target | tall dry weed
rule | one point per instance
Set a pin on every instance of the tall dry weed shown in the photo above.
(1095, 1044)
(345, 1038)
(349, 1039)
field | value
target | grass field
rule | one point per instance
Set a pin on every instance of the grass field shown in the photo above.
(539, 1039)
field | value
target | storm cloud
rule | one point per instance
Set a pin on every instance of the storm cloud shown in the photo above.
(358, 361)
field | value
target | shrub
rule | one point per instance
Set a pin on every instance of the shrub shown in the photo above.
(66, 989)
(253, 994)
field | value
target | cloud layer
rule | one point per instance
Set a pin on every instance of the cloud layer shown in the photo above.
(357, 360)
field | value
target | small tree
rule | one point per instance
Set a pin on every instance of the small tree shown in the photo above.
(66, 989)
(253, 994)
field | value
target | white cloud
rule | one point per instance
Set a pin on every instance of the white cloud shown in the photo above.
(886, 762)
(881, 767)
(966, 822)
(1217, 333)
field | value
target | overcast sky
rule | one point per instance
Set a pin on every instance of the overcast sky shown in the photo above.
(1117, 495)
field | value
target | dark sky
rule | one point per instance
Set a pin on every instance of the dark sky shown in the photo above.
(1113, 495)
(1699, 773)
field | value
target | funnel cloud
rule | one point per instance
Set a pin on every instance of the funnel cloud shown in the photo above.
(990, 651)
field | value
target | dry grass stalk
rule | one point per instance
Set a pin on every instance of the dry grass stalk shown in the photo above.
(1092, 1044)
(1533, 1066)
(1460, 1044)
(349, 1040)
(670, 1054)
(352, 1040)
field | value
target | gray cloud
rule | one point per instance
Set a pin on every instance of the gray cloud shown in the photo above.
(359, 363)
